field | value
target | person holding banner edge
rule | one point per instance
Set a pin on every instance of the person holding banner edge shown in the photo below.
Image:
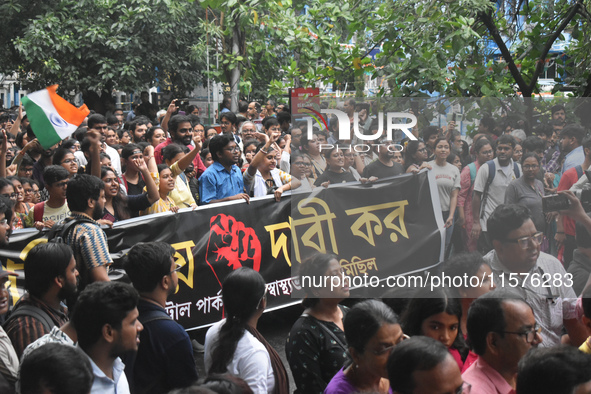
(222, 181)
(262, 177)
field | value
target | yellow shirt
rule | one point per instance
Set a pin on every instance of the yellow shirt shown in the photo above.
(585, 348)
(160, 205)
(181, 195)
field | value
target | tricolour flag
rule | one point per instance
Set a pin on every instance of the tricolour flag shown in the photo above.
(52, 118)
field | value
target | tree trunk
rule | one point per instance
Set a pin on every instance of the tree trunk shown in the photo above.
(235, 72)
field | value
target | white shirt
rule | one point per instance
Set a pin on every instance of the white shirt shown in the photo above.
(251, 360)
(105, 385)
(111, 152)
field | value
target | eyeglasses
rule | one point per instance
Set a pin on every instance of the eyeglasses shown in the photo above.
(8, 195)
(524, 241)
(389, 349)
(234, 149)
(176, 269)
(262, 298)
(3, 222)
(68, 161)
(529, 335)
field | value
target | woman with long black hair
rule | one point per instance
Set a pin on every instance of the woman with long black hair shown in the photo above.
(316, 347)
(415, 156)
(234, 345)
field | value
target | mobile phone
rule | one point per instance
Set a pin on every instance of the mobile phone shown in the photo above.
(177, 103)
(555, 202)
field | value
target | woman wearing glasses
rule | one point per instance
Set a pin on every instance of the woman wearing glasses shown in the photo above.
(21, 208)
(335, 169)
(372, 331)
(301, 168)
(415, 157)
(528, 192)
(65, 158)
(234, 345)
(312, 148)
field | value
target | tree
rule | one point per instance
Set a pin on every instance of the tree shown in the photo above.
(103, 44)
(449, 47)
(280, 44)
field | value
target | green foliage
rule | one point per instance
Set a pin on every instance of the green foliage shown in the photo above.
(105, 44)
(427, 46)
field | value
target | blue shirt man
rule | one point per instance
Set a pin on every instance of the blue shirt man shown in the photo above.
(222, 181)
(571, 139)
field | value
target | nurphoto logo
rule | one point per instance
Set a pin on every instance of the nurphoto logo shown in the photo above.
(393, 121)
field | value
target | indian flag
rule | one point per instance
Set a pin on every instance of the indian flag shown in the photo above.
(52, 118)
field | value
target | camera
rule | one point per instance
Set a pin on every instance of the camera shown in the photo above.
(559, 202)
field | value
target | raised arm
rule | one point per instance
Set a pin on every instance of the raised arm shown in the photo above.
(172, 108)
(151, 186)
(3, 149)
(95, 152)
(187, 159)
(259, 157)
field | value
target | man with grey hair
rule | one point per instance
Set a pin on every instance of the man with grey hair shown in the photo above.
(248, 130)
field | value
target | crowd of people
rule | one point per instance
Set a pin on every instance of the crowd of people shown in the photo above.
(77, 331)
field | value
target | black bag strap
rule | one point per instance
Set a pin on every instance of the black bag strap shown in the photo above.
(328, 331)
(154, 315)
(129, 360)
(60, 232)
(31, 311)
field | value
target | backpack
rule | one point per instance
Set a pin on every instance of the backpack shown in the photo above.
(59, 233)
(492, 171)
(472, 167)
(29, 310)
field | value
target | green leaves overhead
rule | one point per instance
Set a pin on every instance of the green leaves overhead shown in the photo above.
(106, 44)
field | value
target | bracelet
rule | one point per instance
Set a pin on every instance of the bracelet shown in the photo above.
(264, 151)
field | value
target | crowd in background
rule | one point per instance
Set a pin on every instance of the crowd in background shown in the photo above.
(480, 338)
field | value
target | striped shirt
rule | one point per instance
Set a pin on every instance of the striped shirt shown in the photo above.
(89, 243)
(25, 330)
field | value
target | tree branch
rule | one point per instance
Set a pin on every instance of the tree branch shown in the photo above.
(494, 31)
(540, 64)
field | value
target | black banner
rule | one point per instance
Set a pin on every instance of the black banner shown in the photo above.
(389, 228)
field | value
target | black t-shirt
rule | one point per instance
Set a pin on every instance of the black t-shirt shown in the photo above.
(335, 177)
(380, 170)
(135, 188)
